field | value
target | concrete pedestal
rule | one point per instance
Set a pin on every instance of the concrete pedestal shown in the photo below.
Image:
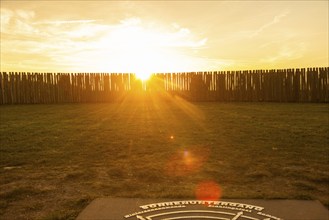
(230, 209)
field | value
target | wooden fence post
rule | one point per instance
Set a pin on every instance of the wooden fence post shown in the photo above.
(282, 85)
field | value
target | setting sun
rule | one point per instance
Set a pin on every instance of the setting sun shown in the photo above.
(141, 49)
(143, 75)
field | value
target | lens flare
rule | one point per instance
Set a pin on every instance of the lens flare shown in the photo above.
(187, 161)
(208, 191)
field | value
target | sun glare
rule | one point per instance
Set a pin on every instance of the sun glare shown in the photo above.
(143, 75)
(140, 50)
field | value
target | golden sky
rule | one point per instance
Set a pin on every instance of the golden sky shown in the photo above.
(162, 36)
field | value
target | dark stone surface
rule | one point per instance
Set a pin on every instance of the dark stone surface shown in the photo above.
(232, 209)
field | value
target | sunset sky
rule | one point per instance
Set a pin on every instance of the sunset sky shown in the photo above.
(162, 36)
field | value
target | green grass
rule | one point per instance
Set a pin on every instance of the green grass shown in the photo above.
(55, 159)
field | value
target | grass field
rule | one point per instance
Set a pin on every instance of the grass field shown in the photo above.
(55, 159)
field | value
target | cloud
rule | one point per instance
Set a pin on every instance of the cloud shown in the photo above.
(131, 21)
(287, 52)
(275, 20)
(6, 15)
(17, 22)
(59, 22)
(24, 14)
(87, 44)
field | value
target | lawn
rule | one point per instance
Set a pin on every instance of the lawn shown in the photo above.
(55, 159)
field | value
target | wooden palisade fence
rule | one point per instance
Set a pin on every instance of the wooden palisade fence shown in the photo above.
(283, 85)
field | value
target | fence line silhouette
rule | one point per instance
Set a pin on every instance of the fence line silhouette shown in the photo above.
(282, 85)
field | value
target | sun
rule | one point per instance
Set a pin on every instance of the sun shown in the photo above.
(143, 75)
(142, 51)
